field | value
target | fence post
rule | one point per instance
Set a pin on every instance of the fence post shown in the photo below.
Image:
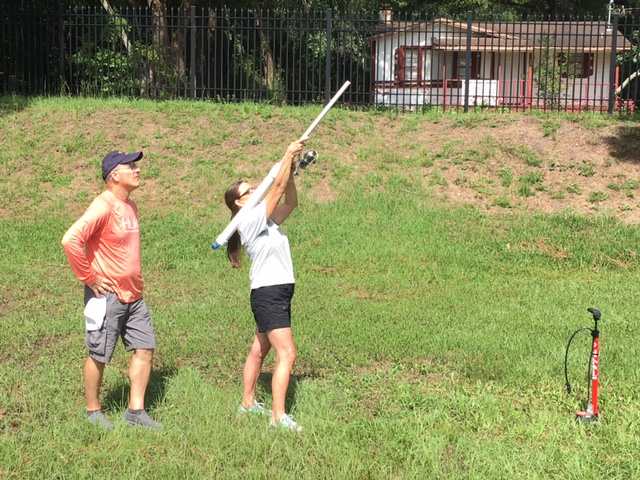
(61, 74)
(612, 66)
(192, 70)
(467, 70)
(327, 73)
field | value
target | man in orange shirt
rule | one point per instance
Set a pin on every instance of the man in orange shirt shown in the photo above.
(103, 248)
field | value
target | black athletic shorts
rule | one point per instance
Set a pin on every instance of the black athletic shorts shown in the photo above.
(272, 306)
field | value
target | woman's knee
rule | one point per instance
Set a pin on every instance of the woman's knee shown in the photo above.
(287, 354)
(259, 352)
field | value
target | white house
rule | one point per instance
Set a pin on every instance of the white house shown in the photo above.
(523, 65)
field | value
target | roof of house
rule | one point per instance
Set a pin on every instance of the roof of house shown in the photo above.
(585, 36)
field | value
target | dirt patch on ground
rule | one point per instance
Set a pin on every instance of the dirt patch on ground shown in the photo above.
(523, 163)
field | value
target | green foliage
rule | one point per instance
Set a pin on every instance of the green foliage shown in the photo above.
(631, 56)
(550, 128)
(107, 63)
(529, 182)
(506, 176)
(587, 169)
(550, 66)
(628, 61)
(574, 188)
(597, 196)
(516, 9)
(502, 202)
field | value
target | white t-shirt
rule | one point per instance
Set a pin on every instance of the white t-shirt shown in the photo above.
(268, 249)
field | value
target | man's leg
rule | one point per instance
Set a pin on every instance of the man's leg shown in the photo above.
(139, 373)
(93, 371)
(253, 366)
(137, 335)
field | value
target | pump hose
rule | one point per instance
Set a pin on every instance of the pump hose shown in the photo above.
(566, 357)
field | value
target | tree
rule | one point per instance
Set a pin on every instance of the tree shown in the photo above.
(551, 73)
(629, 61)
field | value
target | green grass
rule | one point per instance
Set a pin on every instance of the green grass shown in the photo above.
(430, 338)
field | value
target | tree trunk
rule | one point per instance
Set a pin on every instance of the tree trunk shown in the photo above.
(269, 75)
(146, 75)
(157, 58)
(269, 68)
(159, 8)
(123, 32)
(626, 82)
(179, 40)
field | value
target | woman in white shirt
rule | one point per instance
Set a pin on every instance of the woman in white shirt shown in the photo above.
(272, 284)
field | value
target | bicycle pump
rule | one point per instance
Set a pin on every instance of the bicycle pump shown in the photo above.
(590, 415)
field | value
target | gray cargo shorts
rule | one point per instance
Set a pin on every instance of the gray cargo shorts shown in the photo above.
(131, 321)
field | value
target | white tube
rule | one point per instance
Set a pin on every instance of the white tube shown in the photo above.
(261, 191)
(326, 109)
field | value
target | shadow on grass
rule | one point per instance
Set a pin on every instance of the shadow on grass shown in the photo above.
(624, 146)
(12, 104)
(264, 381)
(117, 398)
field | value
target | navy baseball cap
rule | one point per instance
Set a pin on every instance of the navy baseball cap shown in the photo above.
(115, 158)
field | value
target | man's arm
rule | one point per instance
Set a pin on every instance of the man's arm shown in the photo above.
(74, 242)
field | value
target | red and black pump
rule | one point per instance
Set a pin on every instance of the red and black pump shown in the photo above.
(590, 414)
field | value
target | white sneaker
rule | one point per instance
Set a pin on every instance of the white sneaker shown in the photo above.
(286, 421)
(255, 408)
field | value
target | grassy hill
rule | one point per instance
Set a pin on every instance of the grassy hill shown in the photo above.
(525, 162)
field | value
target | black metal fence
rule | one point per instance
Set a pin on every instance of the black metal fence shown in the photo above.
(297, 58)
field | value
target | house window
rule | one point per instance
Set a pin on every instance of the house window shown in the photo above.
(576, 65)
(412, 66)
(417, 66)
(460, 65)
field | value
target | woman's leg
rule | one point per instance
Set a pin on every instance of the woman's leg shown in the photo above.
(252, 367)
(281, 340)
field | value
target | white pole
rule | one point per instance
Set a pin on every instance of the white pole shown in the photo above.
(326, 109)
(261, 191)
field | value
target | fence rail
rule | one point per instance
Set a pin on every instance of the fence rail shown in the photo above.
(298, 58)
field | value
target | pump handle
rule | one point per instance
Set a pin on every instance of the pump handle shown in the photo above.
(596, 313)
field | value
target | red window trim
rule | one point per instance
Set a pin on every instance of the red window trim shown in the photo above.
(400, 60)
(399, 67)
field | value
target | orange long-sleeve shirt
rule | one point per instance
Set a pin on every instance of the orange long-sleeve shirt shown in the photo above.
(105, 241)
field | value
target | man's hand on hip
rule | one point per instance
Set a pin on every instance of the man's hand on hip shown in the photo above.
(101, 286)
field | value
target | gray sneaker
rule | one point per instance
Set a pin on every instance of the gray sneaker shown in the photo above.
(141, 419)
(98, 419)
